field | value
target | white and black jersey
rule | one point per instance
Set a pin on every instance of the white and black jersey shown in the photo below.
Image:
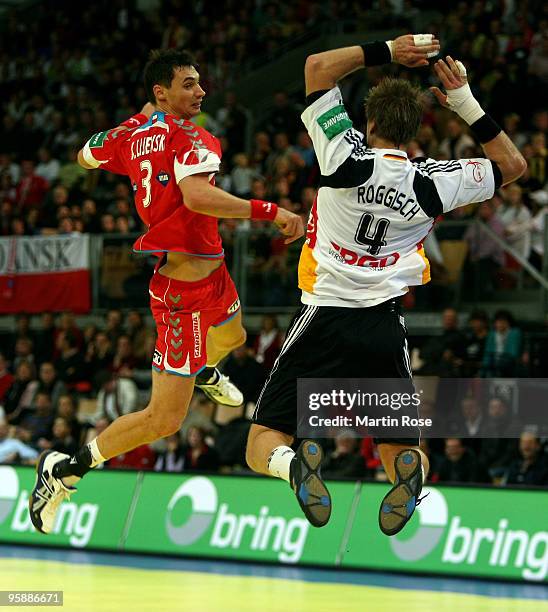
(373, 211)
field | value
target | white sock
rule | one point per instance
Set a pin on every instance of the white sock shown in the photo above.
(96, 457)
(279, 461)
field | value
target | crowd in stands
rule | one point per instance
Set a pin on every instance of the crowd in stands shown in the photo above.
(57, 91)
(61, 385)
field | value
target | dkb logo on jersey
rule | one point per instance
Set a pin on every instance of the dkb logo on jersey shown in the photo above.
(9, 490)
(433, 515)
(203, 497)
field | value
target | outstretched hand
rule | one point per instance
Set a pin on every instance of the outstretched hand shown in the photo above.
(452, 75)
(407, 53)
(289, 224)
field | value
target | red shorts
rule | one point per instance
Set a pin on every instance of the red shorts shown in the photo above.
(184, 312)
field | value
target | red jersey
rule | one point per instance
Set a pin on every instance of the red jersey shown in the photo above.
(156, 154)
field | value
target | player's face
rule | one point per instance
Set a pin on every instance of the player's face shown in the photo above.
(184, 97)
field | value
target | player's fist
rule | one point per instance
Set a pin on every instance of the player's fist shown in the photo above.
(413, 50)
(290, 225)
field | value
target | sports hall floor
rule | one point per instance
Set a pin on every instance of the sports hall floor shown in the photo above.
(108, 582)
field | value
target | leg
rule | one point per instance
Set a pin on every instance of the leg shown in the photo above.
(56, 473)
(260, 444)
(220, 341)
(162, 417)
(224, 338)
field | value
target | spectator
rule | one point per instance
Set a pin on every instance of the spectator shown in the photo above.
(117, 396)
(199, 456)
(532, 467)
(141, 336)
(32, 188)
(457, 141)
(486, 257)
(459, 464)
(284, 117)
(474, 348)
(516, 219)
(173, 458)
(49, 383)
(246, 373)
(442, 354)
(269, 342)
(48, 168)
(345, 461)
(21, 392)
(124, 361)
(13, 450)
(6, 378)
(242, 176)
(140, 458)
(70, 363)
(62, 440)
(35, 425)
(502, 348)
(66, 408)
(45, 338)
(471, 422)
(499, 447)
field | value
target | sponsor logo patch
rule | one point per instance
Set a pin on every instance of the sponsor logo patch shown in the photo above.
(197, 333)
(97, 140)
(234, 307)
(157, 357)
(163, 177)
(334, 121)
(474, 173)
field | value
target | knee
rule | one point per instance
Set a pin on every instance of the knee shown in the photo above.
(250, 454)
(161, 424)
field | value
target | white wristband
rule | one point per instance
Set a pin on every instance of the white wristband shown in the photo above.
(462, 102)
(423, 40)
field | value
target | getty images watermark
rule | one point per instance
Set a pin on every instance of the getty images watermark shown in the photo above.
(429, 407)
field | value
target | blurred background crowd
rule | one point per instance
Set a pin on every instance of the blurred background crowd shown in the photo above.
(61, 381)
(61, 384)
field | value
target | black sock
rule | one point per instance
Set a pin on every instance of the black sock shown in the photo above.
(78, 465)
(206, 375)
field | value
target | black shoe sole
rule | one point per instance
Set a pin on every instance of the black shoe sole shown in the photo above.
(39, 466)
(312, 494)
(399, 503)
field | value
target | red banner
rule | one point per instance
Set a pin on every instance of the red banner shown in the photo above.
(38, 274)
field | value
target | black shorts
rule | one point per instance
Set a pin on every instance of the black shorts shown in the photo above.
(334, 342)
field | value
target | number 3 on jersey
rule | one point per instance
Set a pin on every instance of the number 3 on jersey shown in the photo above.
(146, 166)
(372, 235)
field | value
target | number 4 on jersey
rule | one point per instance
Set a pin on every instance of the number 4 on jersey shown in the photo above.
(375, 236)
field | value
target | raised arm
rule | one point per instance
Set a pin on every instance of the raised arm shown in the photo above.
(323, 70)
(146, 111)
(459, 98)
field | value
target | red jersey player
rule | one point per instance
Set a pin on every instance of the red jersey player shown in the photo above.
(171, 163)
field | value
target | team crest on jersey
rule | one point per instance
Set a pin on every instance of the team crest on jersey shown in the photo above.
(163, 177)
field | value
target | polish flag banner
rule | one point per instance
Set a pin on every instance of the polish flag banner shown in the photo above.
(41, 273)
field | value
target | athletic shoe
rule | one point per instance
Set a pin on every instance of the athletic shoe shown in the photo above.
(222, 391)
(306, 482)
(48, 492)
(400, 502)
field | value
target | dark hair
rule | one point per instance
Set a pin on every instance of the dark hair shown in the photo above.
(505, 315)
(160, 68)
(396, 107)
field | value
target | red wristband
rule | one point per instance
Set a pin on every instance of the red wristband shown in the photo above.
(263, 210)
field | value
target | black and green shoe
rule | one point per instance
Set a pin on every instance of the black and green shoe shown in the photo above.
(400, 502)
